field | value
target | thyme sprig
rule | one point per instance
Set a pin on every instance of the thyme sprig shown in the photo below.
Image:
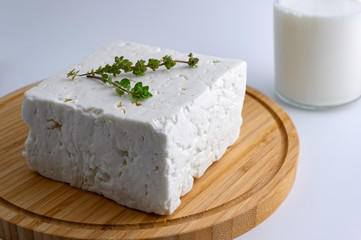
(107, 72)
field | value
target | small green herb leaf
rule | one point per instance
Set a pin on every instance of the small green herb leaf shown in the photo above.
(139, 68)
(72, 74)
(140, 91)
(192, 62)
(118, 59)
(168, 62)
(153, 64)
(125, 82)
(126, 65)
(120, 92)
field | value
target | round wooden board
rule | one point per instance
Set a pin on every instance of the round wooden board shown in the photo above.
(233, 196)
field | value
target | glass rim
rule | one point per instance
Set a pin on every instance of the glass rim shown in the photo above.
(295, 11)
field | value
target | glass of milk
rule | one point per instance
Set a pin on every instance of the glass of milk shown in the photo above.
(317, 52)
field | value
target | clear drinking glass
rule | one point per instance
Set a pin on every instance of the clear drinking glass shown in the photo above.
(317, 47)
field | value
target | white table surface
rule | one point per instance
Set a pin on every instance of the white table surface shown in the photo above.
(40, 38)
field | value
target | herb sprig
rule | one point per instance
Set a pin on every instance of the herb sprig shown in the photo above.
(107, 72)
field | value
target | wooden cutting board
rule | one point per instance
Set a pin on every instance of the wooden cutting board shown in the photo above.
(234, 195)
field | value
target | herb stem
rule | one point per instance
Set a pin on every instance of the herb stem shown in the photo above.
(132, 67)
(162, 64)
(104, 81)
(107, 72)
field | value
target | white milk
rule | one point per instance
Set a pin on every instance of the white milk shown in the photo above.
(317, 51)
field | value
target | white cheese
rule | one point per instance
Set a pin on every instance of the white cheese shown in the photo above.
(143, 157)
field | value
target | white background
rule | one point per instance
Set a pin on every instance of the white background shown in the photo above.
(40, 38)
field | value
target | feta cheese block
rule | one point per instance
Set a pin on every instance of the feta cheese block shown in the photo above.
(141, 154)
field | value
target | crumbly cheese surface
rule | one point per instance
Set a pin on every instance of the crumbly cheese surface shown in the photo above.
(142, 154)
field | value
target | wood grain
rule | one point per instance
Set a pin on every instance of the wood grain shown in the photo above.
(234, 195)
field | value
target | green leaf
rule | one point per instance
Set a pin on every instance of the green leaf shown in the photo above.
(153, 63)
(135, 96)
(138, 85)
(168, 62)
(148, 95)
(120, 92)
(192, 62)
(126, 65)
(125, 83)
(140, 91)
(72, 74)
(99, 71)
(118, 59)
(105, 76)
(110, 80)
(139, 68)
